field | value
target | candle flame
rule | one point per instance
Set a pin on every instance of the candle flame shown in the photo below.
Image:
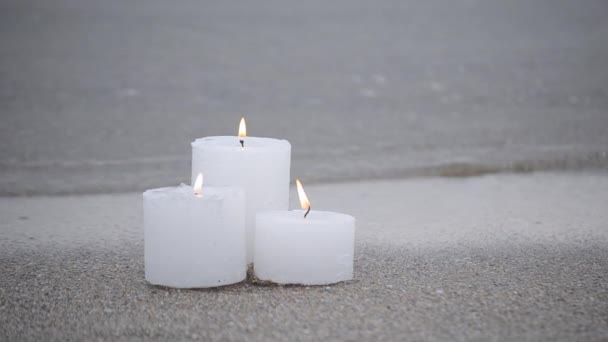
(198, 185)
(242, 128)
(304, 202)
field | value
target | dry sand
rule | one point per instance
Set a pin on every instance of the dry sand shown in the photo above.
(497, 257)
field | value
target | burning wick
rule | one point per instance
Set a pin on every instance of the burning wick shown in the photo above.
(242, 132)
(304, 202)
(307, 211)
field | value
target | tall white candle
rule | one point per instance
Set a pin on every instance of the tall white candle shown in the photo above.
(194, 239)
(314, 250)
(260, 166)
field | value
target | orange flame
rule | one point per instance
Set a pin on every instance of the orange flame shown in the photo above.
(242, 128)
(304, 202)
(198, 185)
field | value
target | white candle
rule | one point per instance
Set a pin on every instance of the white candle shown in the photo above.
(194, 238)
(260, 166)
(314, 250)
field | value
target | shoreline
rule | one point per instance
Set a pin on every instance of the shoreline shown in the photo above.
(125, 177)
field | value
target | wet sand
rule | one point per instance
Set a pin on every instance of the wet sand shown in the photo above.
(105, 96)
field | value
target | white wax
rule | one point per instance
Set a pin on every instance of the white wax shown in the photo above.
(316, 250)
(261, 168)
(194, 241)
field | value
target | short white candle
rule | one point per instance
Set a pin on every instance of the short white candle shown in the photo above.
(314, 250)
(194, 238)
(260, 166)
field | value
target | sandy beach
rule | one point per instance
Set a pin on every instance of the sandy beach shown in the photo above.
(468, 138)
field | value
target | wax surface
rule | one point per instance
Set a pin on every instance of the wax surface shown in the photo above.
(261, 168)
(291, 249)
(194, 241)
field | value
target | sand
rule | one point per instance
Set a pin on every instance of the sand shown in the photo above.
(505, 257)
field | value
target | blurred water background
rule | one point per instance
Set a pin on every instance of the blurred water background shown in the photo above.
(106, 96)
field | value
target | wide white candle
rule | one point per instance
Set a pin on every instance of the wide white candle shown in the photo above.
(194, 240)
(260, 166)
(314, 250)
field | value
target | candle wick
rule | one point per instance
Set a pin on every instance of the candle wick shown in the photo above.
(307, 211)
(242, 143)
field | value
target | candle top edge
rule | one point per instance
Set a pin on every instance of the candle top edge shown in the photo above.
(186, 191)
(315, 216)
(234, 142)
